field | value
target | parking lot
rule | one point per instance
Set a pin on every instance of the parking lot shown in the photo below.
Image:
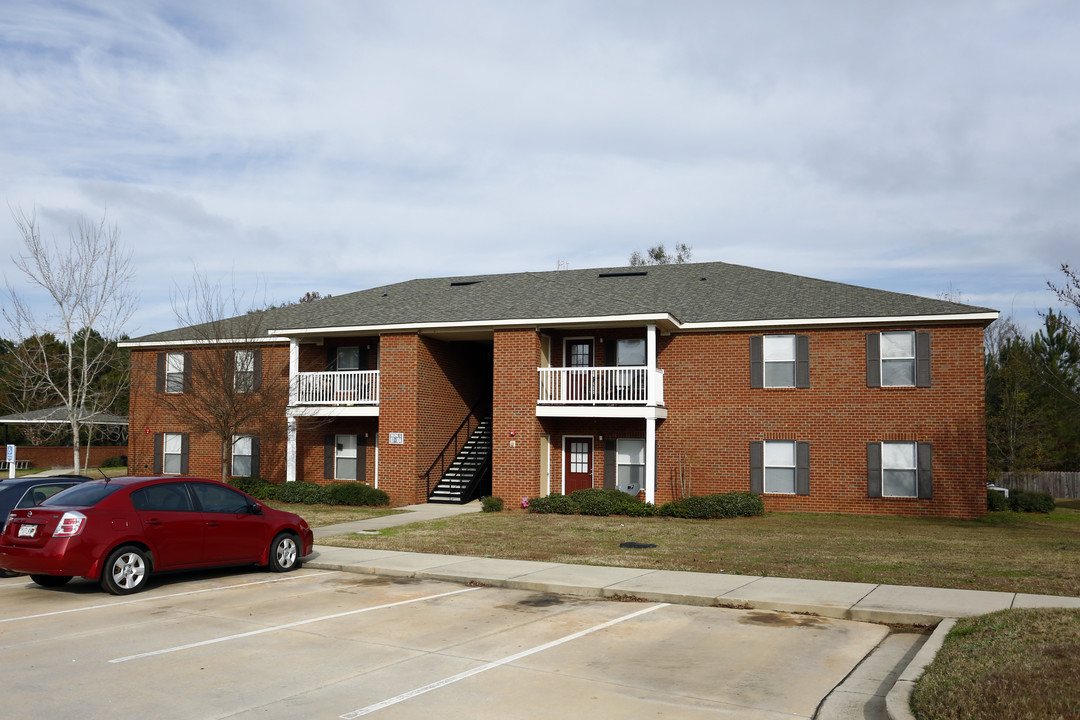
(321, 644)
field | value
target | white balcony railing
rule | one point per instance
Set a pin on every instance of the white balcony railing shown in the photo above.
(341, 387)
(601, 386)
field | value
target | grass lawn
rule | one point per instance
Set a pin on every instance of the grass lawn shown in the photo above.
(1010, 552)
(1008, 664)
(319, 515)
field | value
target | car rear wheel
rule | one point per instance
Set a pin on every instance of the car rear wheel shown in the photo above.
(51, 580)
(284, 553)
(126, 570)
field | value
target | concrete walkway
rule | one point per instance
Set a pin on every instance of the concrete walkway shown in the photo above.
(878, 689)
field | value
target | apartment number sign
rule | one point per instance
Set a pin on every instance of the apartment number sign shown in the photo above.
(397, 438)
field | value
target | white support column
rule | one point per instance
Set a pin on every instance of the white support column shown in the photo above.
(650, 460)
(294, 370)
(650, 371)
(290, 451)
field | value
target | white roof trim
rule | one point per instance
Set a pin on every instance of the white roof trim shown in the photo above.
(191, 343)
(475, 324)
(818, 322)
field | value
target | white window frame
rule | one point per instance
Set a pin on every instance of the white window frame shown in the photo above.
(788, 359)
(174, 373)
(244, 370)
(774, 465)
(238, 440)
(342, 453)
(896, 359)
(172, 446)
(620, 465)
(912, 469)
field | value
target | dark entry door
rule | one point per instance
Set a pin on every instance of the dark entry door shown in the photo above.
(579, 464)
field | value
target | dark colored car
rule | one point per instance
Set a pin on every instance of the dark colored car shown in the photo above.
(121, 530)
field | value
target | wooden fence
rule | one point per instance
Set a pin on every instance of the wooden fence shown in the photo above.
(1058, 484)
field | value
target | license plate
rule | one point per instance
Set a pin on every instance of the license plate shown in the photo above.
(27, 530)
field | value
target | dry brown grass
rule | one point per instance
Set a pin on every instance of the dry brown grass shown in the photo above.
(1007, 551)
(1013, 664)
(320, 515)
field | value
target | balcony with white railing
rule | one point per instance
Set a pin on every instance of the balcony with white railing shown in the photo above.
(337, 388)
(626, 387)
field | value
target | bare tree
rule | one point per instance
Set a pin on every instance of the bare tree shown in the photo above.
(658, 255)
(62, 353)
(229, 394)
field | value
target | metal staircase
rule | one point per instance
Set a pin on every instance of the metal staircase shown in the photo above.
(465, 477)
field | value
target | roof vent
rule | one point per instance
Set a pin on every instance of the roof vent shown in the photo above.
(624, 273)
(463, 283)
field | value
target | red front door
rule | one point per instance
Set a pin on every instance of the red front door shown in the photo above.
(578, 469)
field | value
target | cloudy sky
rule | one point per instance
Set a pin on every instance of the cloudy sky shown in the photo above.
(923, 147)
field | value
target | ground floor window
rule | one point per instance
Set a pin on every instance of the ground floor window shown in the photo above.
(780, 466)
(899, 470)
(345, 457)
(630, 459)
(172, 454)
(241, 456)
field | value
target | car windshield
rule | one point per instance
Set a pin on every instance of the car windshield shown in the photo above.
(82, 495)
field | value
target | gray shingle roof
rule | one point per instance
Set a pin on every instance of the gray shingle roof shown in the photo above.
(692, 293)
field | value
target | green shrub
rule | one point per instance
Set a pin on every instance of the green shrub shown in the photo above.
(742, 504)
(1024, 501)
(302, 492)
(595, 501)
(355, 493)
(115, 461)
(996, 501)
(492, 504)
(255, 487)
(695, 507)
(553, 503)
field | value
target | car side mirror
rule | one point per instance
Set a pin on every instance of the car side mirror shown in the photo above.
(256, 509)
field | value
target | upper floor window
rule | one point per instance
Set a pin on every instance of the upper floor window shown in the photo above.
(348, 358)
(898, 359)
(579, 353)
(630, 351)
(244, 370)
(780, 361)
(175, 366)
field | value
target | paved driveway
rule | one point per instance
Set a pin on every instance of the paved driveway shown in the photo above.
(318, 644)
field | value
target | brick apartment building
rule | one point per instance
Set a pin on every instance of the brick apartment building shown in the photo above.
(660, 381)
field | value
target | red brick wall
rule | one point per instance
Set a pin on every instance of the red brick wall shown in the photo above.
(150, 414)
(713, 416)
(61, 457)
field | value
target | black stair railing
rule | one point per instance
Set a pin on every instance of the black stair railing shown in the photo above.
(454, 444)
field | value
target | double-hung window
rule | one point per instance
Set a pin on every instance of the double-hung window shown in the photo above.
(348, 358)
(244, 456)
(172, 455)
(630, 459)
(345, 457)
(898, 359)
(900, 469)
(174, 372)
(780, 361)
(780, 467)
(244, 370)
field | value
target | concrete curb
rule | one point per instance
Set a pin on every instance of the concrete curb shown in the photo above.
(898, 700)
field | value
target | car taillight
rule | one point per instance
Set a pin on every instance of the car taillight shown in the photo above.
(70, 525)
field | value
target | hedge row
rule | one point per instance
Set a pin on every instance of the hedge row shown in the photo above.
(598, 502)
(347, 493)
(1020, 501)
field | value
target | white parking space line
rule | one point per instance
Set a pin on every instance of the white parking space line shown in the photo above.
(163, 597)
(494, 664)
(286, 626)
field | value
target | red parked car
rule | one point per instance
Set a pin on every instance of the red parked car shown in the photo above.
(121, 530)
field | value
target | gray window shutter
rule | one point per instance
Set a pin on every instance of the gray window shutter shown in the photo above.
(873, 360)
(802, 468)
(757, 362)
(328, 457)
(361, 458)
(757, 467)
(256, 381)
(331, 358)
(159, 449)
(184, 448)
(925, 452)
(187, 371)
(802, 361)
(873, 470)
(230, 370)
(159, 382)
(611, 463)
(922, 359)
(254, 457)
(365, 357)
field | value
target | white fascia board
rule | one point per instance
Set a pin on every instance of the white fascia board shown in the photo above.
(665, 318)
(844, 322)
(333, 411)
(194, 343)
(601, 411)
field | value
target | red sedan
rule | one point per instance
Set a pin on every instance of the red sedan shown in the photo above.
(119, 531)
